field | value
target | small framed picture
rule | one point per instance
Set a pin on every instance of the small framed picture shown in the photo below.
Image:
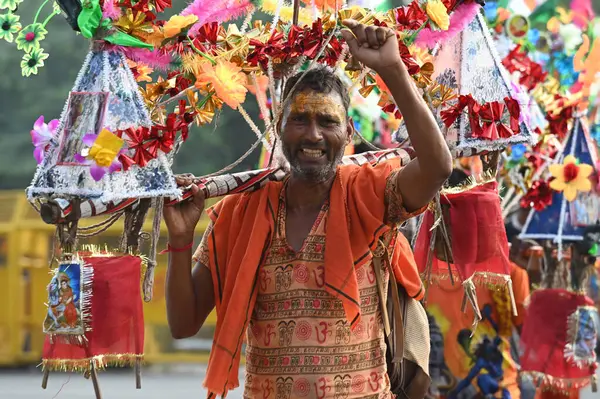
(85, 115)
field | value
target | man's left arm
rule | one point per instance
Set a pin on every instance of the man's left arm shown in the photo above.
(419, 181)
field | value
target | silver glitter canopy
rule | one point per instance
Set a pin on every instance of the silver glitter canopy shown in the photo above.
(469, 64)
(105, 95)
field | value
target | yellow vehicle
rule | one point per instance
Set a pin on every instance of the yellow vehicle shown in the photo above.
(26, 245)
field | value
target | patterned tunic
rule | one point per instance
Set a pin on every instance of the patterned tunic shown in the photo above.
(298, 343)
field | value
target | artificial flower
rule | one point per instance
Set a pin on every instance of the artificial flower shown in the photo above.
(517, 152)
(134, 24)
(30, 37)
(436, 11)
(136, 142)
(41, 136)
(140, 71)
(490, 9)
(11, 5)
(572, 37)
(32, 61)
(227, 80)
(9, 25)
(177, 23)
(101, 153)
(410, 17)
(539, 196)
(324, 5)
(571, 177)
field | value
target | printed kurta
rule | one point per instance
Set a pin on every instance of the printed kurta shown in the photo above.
(299, 343)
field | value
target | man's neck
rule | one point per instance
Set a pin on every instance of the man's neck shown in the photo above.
(305, 195)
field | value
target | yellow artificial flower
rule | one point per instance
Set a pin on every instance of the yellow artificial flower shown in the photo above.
(190, 62)
(134, 25)
(286, 13)
(436, 11)
(570, 177)
(105, 149)
(177, 23)
(227, 80)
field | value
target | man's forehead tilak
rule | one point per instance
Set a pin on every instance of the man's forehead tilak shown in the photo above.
(311, 102)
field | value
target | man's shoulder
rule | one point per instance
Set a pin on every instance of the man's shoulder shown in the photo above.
(231, 201)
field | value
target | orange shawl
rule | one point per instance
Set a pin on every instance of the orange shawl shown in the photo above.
(241, 235)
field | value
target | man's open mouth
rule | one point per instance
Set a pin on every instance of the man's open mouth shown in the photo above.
(312, 153)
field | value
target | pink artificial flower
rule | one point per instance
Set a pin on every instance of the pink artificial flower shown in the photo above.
(41, 136)
(96, 170)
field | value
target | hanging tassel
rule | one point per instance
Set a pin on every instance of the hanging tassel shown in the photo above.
(471, 295)
(594, 383)
(511, 295)
(148, 285)
(429, 266)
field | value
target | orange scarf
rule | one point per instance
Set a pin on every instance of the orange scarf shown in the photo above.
(243, 227)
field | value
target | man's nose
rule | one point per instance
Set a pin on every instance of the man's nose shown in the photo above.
(314, 133)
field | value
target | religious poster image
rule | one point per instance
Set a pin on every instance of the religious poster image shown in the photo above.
(583, 335)
(64, 301)
(85, 115)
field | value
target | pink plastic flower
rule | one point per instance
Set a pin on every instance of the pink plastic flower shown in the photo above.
(96, 159)
(41, 135)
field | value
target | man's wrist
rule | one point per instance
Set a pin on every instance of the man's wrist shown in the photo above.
(393, 72)
(180, 241)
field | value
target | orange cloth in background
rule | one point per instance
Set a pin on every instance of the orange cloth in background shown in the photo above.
(447, 319)
(241, 234)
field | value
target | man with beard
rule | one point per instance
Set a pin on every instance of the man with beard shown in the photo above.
(289, 267)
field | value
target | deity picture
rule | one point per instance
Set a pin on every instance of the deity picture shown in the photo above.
(85, 115)
(585, 210)
(584, 344)
(64, 299)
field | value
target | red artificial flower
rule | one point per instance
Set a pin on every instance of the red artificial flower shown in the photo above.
(411, 17)
(451, 114)
(558, 123)
(410, 63)
(161, 5)
(514, 110)
(135, 139)
(539, 196)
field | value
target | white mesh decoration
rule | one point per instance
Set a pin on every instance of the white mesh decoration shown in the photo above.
(105, 95)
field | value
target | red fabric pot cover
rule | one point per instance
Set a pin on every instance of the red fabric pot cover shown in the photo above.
(544, 339)
(479, 243)
(117, 320)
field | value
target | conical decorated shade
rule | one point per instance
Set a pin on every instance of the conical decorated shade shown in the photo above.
(105, 96)
(564, 220)
(469, 64)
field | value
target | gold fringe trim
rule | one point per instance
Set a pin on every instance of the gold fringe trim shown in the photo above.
(558, 385)
(491, 281)
(103, 251)
(100, 362)
(471, 182)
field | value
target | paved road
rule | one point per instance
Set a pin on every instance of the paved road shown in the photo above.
(173, 383)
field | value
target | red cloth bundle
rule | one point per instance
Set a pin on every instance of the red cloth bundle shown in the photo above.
(478, 236)
(117, 320)
(551, 336)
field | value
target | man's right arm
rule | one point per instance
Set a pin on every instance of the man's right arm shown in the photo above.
(189, 295)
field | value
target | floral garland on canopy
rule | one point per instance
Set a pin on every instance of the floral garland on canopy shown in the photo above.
(203, 64)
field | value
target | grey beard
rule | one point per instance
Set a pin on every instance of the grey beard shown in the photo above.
(315, 175)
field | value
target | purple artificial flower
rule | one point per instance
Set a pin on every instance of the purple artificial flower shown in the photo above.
(41, 135)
